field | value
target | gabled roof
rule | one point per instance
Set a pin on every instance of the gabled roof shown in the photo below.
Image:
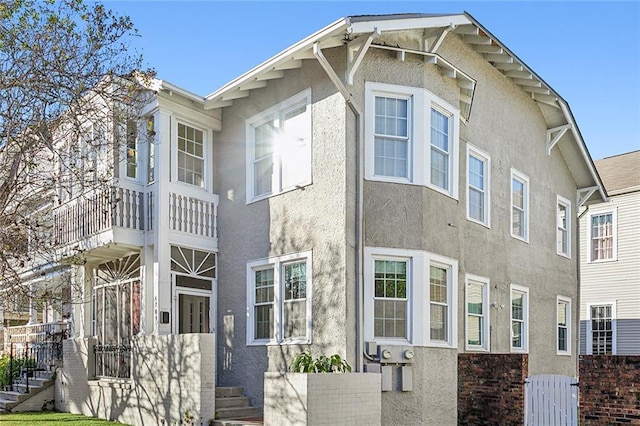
(620, 173)
(363, 32)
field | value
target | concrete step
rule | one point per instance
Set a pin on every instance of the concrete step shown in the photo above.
(6, 405)
(13, 396)
(33, 381)
(229, 391)
(237, 412)
(248, 421)
(232, 401)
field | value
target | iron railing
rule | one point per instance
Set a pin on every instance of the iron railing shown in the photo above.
(28, 358)
(112, 361)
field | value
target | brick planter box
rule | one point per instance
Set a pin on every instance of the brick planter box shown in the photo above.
(322, 399)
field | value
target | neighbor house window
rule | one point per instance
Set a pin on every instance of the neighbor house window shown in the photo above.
(563, 226)
(279, 294)
(410, 297)
(564, 326)
(601, 339)
(519, 318)
(478, 166)
(279, 148)
(411, 136)
(602, 236)
(477, 314)
(151, 149)
(191, 150)
(519, 205)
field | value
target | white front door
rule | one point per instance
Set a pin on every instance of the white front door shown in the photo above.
(194, 305)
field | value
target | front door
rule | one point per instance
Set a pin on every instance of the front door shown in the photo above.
(193, 311)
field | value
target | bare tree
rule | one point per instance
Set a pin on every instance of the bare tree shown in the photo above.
(65, 76)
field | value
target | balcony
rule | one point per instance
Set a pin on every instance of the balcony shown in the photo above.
(101, 216)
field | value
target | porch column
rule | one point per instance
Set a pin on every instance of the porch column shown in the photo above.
(33, 313)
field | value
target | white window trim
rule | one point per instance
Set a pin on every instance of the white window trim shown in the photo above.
(614, 327)
(476, 279)
(515, 174)
(276, 263)
(567, 301)
(525, 340)
(419, 331)
(486, 159)
(302, 98)
(560, 200)
(419, 151)
(206, 153)
(614, 224)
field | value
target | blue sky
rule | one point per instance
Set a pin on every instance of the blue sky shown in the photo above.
(589, 52)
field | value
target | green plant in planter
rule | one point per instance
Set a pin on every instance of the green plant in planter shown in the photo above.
(305, 363)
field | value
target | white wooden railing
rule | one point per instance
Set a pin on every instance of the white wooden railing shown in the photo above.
(193, 215)
(96, 211)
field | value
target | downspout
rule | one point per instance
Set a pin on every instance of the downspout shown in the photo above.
(358, 206)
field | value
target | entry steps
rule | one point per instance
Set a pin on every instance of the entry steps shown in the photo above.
(234, 409)
(10, 399)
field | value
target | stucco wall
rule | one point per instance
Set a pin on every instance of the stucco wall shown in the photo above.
(312, 218)
(172, 376)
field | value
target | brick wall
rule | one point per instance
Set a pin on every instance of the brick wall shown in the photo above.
(609, 390)
(491, 388)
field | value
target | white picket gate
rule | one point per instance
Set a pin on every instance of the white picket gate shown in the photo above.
(551, 400)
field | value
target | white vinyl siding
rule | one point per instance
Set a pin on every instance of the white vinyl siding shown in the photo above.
(279, 148)
(519, 205)
(412, 137)
(410, 297)
(477, 313)
(478, 186)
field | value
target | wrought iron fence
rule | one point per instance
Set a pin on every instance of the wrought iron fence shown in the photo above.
(28, 358)
(113, 361)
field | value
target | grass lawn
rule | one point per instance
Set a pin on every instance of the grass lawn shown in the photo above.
(53, 419)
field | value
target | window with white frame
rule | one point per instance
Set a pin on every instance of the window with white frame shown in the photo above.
(563, 227)
(279, 148)
(602, 236)
(132, 149)
(410, 297)
(601, 338)
(477, 312)
(191, 148)
(151, 149)
(519, 318)
(279, 297)
(564, 325)
(478, 169)
(519, 205)
(411, 136)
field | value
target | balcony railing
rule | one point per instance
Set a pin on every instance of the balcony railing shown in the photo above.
(97, 211)
(193, 215)
(36, 333)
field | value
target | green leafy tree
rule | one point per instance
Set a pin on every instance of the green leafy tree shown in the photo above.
(56, 59)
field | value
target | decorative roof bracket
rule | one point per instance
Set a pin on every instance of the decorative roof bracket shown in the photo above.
(438, 40)
(559, 132)
(583, 194)
(361, 45)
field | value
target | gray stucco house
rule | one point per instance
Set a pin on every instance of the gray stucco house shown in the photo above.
(395, 189)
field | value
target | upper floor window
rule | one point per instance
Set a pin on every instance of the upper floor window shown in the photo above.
(410, 297)
(132, 149)
(279, 300)
(411, 136)
(478, 166)
(602, 236)
(564, 326)
(279, 148)
(563, 227)
(190, 155)
(477, 304)
(519, 319)
(519, 205)
(151, 149)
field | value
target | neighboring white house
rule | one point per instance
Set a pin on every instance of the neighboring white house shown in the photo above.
(610, 262)
(403, 180)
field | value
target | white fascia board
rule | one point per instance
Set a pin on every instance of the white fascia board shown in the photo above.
(407, 23)
(304, 44)
(165, 85)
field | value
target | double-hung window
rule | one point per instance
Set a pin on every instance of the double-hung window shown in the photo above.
(563, 227)
(601, 339)
(412, 137)
(477, 315)
(602, 236)
(410, 297)
(478, 169)
(279, 297)
(191, 148)
(564, 326)
(279, 148)
(132, 149)
(519, 319)
(519, 205)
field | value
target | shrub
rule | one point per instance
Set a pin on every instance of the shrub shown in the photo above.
(305, 363)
